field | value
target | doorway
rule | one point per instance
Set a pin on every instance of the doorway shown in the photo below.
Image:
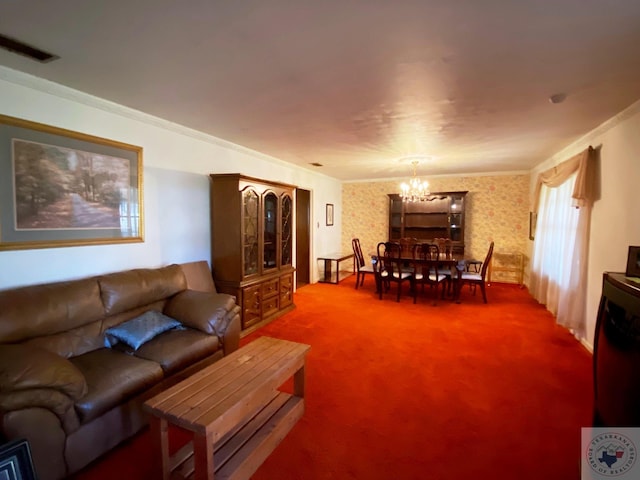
(303, 237)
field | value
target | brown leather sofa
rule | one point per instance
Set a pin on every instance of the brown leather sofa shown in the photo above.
(73, 398)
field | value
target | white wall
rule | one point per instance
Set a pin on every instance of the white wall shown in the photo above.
(176, 160)
(615, 217)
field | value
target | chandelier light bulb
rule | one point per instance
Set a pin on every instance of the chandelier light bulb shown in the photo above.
(415, 190)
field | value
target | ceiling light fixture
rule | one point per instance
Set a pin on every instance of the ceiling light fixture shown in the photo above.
(414, 190)
(557, 98)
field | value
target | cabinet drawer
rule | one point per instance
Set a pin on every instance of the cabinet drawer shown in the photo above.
(270, 288)
(286, 291)
(270, 306)
(251, 308)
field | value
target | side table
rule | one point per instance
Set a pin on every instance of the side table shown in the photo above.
(331, 275)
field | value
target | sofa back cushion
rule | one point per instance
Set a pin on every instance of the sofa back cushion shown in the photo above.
(47, 309)
(69, 318)
(126, 290)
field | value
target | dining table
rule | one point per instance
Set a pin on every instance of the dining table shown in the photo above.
(455, 262)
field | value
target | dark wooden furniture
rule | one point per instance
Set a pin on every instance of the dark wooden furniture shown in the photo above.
(234, 410)
(331, 275)
(477, 279)
(252, 245)
(426, 267)
(616, 355)
(441, 216)
(362, 268)
(407, 244)
(390, 265)
(454, 264)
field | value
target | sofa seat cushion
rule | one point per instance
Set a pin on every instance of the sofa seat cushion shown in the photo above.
(112, 377)
(177, 349)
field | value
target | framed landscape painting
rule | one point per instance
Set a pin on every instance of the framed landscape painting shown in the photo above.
(63, 188)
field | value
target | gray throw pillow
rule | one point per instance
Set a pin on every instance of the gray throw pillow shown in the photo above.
(139, 330)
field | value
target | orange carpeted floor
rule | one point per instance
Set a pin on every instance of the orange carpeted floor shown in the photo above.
(396, 390)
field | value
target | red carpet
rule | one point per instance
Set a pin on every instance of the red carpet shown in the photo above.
(405, 391)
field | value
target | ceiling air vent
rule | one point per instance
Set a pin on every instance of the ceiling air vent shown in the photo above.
(316, 164)
(20, 48)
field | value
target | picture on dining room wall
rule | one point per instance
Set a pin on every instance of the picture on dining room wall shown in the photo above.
(533, 218)
(329, 214)
(63, 188)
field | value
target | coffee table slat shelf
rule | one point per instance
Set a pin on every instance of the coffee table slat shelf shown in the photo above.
(239, 455)
(234, 409)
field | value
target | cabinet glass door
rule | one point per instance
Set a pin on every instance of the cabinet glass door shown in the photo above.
(270, 210)
(286, 229)
(455, 218)
(250, 231)
(395, 217)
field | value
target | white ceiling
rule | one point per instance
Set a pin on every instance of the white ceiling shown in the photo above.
(355, 85)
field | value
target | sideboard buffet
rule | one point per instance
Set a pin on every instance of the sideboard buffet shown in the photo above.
(441, 215)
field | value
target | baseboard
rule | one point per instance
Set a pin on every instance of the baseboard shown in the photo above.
(586, 345)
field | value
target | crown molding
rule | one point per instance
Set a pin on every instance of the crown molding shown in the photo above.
(581, 143)
(446, 175)
(58, 90)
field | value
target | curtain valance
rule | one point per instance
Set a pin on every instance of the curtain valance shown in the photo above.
(559, 174)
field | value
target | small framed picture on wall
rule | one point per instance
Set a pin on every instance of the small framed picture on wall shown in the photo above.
(329, 214)
(533, 218)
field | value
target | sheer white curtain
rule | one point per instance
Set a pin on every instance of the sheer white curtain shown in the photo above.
(560, 249)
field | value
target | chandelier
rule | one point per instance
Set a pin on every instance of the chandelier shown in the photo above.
(415, 190)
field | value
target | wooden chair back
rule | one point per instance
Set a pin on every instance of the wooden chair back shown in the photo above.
(485, 264)
(426, 262)
(389, 269)
(389, 255)
(406, 246)
(445, 245)
(474, 279)
(426, 256)
(357, 251)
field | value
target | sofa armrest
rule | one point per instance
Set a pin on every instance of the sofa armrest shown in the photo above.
(25, 368)
(212, 313)
(34, 378)
(56, 402)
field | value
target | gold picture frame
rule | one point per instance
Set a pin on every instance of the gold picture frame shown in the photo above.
(61, 188)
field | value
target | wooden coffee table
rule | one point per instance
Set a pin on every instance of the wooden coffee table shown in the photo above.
(233, 408)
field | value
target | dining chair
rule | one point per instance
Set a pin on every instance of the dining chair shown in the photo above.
(362, 269)
(426, 264)
(389, 267)
(445, 245)
(406, 246)
(478, 278)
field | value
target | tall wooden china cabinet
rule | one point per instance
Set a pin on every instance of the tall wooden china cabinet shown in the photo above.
(440, 216)
(252, 244)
